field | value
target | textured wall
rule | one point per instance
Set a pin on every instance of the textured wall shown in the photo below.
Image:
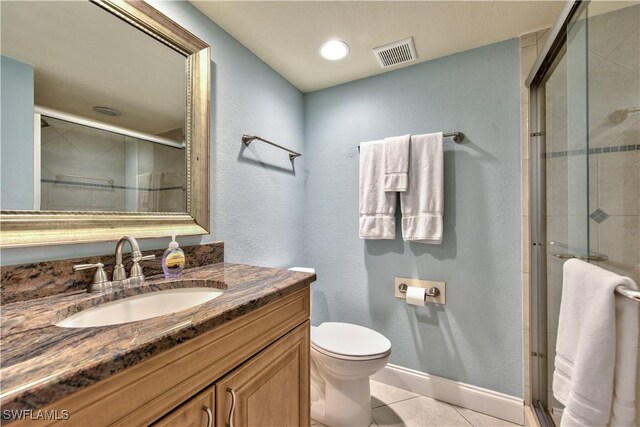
(16, 143)
(269, 214)
(476, 337)
(257, 197)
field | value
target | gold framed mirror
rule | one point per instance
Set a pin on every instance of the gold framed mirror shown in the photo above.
(21, 227)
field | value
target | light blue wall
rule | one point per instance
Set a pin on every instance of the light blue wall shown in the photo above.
(267, 215)
(476, 338)
(256, 200)
(16, 143)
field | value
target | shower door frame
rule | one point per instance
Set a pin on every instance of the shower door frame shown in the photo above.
(552, 52)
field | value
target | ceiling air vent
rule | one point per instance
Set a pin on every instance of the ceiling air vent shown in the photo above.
(396, 53)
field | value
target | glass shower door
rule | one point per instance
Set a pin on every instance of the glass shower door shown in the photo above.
(566, 158)
(589, 164)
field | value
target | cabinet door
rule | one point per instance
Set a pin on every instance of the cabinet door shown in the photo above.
(271, 388)
(196, 412)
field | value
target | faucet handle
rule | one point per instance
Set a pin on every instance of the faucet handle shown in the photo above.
(136, 269)
(87, 266)
(99, 278)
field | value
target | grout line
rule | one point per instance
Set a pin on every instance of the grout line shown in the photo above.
(415, 397)
(459, 413)
(397, 401)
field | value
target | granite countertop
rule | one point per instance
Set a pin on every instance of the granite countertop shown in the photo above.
(41, 363)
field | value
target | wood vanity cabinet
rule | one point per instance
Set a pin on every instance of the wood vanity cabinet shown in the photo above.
(197, 412)
(269, 390)
(257, 363)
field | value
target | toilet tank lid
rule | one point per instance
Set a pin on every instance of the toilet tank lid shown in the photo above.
(303, 269)
(349, 339)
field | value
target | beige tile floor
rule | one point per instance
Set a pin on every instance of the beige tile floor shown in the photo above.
(392, 406)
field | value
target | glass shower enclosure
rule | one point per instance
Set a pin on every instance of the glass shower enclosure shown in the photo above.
(585, 163)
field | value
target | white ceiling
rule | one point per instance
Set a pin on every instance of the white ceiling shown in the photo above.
(83, 56)
(288, 34)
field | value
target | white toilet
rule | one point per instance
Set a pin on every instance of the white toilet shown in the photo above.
(343, 357)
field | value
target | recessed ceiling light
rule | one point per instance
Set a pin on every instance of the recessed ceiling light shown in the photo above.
(107, 111)
(334, 50)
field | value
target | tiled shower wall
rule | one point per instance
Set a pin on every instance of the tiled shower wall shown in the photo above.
(614, 141)
(86, 169)
(69, 151)
(167, 166)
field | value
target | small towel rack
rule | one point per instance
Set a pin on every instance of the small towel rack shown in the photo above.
(457, 137)
(247, 139)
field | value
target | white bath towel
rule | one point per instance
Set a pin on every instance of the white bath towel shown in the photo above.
(596, 350)
(377, 207)
(423, 202)
(396, 163)
(148, 192)
(625, 398)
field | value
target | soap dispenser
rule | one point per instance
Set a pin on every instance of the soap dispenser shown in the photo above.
(173, 260)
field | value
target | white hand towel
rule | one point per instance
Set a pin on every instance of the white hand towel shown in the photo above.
(377, 208)
(423, 202)
(596, 349)
(396, 163)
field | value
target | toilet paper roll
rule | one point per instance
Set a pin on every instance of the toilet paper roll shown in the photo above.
(415, 296)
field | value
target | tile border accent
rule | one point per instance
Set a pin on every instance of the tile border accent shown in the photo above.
(493, 403)
(599, 150)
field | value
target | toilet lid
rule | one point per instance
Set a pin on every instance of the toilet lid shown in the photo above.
(303, 269)
(349, 340)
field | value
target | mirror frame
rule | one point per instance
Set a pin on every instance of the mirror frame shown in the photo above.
(42, 228)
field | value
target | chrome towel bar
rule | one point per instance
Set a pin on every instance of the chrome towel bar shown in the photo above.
(457, 137)
(594, 256)
(247, 139)
(628, 293)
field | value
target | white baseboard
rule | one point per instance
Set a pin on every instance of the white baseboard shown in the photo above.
(478, 399)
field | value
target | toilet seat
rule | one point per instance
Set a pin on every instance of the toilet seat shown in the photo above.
(347, 341)
(349, 358)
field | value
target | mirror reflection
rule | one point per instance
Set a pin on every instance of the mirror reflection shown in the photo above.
(93, 112)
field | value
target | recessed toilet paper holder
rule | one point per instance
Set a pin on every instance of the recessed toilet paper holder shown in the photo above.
(432, 292)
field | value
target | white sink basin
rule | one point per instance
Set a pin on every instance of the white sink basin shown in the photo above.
(140, 307)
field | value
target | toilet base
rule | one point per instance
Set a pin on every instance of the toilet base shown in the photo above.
(349, 402)
(340, 389)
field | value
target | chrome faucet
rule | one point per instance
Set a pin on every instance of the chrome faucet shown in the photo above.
(118, 270)
(119, 279)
